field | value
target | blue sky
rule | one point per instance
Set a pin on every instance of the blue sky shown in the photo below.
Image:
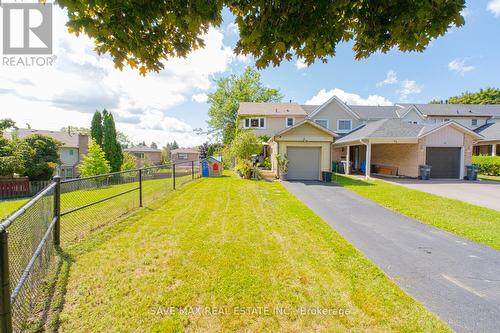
(169, 105)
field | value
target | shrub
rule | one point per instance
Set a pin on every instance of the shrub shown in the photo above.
(227, 158)
(488, 165)
(266, 164)
(245, 145)
(282, 163)
(244, 168)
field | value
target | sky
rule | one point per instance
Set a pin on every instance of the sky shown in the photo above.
(169, 105)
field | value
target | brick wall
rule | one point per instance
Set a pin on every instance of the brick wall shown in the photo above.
(403, 156)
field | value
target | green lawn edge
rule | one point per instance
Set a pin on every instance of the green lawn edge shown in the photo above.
(469, 221)
(380, 304)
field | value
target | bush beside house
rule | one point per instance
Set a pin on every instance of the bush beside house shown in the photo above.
(488, 165)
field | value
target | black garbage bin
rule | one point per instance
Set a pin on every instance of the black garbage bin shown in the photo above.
(472, 172)
(424, 172)
(327, 176)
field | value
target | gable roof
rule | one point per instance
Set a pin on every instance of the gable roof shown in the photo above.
(309, 108)
(141, 149)
(490, 131)
(68, 140)
(303, 122)
(339, 102)
(184, 151)
(397, 128)
(270, 109)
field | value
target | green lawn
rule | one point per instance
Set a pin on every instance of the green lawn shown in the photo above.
(7, 207)
(465, 220)
(486, 177)
(225, 254)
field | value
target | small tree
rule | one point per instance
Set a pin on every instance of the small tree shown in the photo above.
(245, 145)
(129, 162)
(94, 163)
(147, 161)
(45, 159)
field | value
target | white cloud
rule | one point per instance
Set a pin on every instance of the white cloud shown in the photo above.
(409, 87)
(350, 98)
(300, 64)
(232, 29)
(200, 98)
(81, 82)
(459, 66)
(391, 78)
(494, 7)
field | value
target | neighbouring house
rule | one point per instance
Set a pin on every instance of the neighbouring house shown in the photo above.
(70, 153)
(183, 155)
(142, 152)
(390, 140)
(490, 144)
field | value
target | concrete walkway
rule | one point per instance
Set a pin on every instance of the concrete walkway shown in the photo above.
(480, 193)
(457, 279)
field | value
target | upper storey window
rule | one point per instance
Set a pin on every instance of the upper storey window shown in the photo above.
(255, 122)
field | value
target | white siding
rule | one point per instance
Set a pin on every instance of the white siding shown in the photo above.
(446, 137)
(66, 157)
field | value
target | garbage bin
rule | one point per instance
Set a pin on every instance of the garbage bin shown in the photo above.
(472, 172)
(327, 176)
(424, 172)
(335, 166)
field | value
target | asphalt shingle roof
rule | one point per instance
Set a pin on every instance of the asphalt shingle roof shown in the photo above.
(68, 140)
(141, 149)
(385, 128)
(269, 109)
(466, 110)
(489, 131)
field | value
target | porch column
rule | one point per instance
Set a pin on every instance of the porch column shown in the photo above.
(348, 158)
(494, 149)
(368, 159)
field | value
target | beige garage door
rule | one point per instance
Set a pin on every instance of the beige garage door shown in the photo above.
(303, 163)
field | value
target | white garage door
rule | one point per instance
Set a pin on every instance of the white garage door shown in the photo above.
(303, 163)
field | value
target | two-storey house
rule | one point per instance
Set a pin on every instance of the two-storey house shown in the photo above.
(390, 140)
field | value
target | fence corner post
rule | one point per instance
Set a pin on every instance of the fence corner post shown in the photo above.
(57, 210)
(140, 187)
(192, 169)
(173, 173)
(5, 306)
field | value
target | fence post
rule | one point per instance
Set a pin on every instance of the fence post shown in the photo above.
(140, 187)
(57, 210)
(192, 169)
(5, 306)
(173, 173)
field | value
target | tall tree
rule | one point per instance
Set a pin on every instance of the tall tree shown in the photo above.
(111, 146)
(483, 96)
(175, 145)
(142, 34)
(94, 163)
(225, 101)
(154, 145)
(45, 159)
(96, 128)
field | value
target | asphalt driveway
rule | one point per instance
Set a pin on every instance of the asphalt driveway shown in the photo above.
(480, 193)
(457, 279)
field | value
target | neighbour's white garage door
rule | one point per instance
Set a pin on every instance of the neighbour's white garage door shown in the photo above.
(303, 163)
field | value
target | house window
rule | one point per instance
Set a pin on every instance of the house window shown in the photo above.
(255, 123)
(71, 152)
(139, 155)
(69, 172)
(322, 122)
(344, 125)
(474, 122)
(289, 122)
(412, 122)
(182, 156)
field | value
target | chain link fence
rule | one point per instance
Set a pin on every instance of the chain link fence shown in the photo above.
(62, 214)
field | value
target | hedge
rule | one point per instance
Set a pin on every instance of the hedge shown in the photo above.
(488, 165)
